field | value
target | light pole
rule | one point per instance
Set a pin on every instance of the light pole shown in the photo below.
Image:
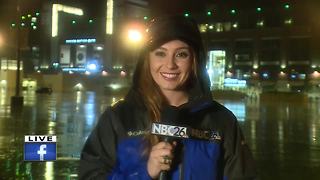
(17, 100)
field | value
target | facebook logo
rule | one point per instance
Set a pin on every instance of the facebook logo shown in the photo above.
(40, 148)
(42, 151)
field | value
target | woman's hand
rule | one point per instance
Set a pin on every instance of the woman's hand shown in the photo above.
(160, 158)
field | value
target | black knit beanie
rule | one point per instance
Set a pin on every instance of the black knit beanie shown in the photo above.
(169, 28)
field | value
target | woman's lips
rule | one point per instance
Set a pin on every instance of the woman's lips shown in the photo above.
(169, 76)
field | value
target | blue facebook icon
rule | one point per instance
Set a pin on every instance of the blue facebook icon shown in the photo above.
(40, 151)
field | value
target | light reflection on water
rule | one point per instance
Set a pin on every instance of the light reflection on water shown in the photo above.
(284, 137)
(49, 171)
(238, 108)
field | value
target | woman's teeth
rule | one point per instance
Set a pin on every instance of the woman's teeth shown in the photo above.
(169, 75)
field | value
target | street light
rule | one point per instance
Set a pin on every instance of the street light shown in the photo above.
(134, 35)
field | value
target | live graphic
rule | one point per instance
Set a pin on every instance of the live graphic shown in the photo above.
(40, 148)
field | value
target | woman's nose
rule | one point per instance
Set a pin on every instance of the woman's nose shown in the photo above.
(171, 63)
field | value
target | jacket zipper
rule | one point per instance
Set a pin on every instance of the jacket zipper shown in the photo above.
(180, 172)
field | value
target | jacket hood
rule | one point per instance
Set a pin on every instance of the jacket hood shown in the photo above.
(165, 29)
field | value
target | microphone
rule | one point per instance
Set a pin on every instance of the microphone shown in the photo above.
(169, 133)
(167, 130)
(170, 129)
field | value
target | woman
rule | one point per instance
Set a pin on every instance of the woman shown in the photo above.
(171, 73)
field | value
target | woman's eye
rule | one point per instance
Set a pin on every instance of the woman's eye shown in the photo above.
(160, 53)
(183, 54)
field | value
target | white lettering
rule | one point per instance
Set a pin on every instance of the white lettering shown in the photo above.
(42, 151)
(40, 138)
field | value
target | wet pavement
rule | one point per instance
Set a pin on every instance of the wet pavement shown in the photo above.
(284, 137)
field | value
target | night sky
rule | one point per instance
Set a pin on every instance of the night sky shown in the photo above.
(96, 8)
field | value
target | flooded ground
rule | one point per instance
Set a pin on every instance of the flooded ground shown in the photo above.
(284, 137)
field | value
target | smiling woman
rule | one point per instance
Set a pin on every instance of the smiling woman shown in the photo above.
(170, 85)
(170, 66)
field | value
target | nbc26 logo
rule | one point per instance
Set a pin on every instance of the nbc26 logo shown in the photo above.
(40, 148)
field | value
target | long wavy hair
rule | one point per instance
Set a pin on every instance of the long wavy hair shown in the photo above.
(151, 94)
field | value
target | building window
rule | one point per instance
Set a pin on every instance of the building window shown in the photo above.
(260, 23)
(269, 52)
(299, 50)
(243, 52)
(288, 21)
(218, 27)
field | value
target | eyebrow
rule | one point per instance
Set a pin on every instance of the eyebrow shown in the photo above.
(184, 47)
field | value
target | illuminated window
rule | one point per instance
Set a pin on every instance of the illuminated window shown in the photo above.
(203, 28)
(288, 21)
(109, 19)
(235, 25)
(33, 19)
(219, 27)
(10, 65)
(216, 68)
(260, 23)
(56, 8)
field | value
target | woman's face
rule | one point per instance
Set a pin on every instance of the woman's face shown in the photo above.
(170, 65)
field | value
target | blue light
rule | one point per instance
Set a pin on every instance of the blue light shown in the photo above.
(229, 82)
(92, 67)
(67, 69)
(80, 41)
(302, 76)
(210, 71)
(265, 75)
(55, 65)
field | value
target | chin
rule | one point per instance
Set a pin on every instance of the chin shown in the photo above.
(171, 88)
